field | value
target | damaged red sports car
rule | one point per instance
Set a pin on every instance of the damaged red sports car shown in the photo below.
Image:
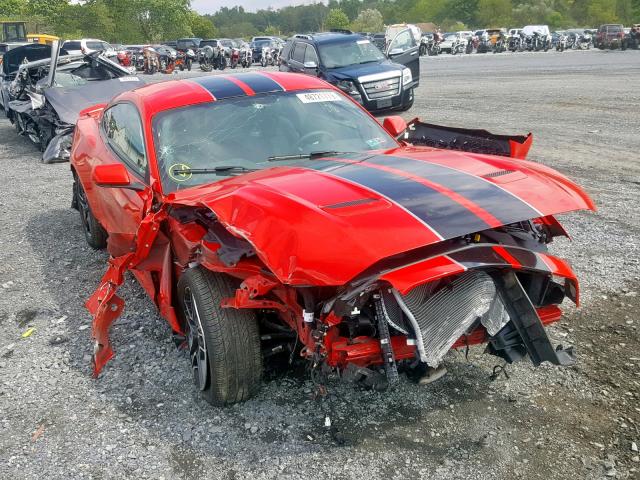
(268, 214)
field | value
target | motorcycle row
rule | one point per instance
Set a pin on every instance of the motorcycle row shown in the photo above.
(156, 58)
(498, 41)
(166, 59)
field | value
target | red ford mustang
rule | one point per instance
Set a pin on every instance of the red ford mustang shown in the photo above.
(269, 214)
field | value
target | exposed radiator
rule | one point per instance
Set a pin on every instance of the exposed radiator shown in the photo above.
(440, 318)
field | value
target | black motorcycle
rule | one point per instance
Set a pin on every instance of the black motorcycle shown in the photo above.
(499, 46)
(424, 44)
(513, 45)
(212, 58)
(633, 39)
(539, 42)
(469, 48)
(562, 42)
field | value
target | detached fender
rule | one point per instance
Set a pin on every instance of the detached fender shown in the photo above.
(468, 140)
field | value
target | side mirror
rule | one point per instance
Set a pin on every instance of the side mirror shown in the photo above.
(112, 175)
(310, 65)
(395, 125)
(395, 51)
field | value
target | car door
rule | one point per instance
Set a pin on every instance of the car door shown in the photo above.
(403, 49)
(296, 57)
(121, 209)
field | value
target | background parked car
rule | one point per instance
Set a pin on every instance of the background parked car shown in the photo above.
(209, 42)
(610, 36)
(453, 43)
(184, 44)
(6, 46)
(355, 65)
(259, 44)
(89, 45)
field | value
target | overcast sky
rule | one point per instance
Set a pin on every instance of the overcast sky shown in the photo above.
(210, 6)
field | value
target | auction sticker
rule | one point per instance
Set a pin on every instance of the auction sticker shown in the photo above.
(317, 97)
(362, 42)
(129, 79)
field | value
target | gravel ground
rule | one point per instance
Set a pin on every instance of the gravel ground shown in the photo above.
(143, 419)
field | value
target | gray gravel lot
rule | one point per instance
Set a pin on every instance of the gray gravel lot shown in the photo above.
(143, 419)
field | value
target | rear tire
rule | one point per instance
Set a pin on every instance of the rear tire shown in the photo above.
(94, 233)
(224, 343)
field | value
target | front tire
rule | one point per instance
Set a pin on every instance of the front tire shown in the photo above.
(224, 343)
(409, 104)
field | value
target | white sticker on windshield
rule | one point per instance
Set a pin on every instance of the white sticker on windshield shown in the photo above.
(316, 97)
(129, 79)
(362, 42)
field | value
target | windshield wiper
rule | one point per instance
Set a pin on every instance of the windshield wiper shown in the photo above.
(215, 170)
(302, 156)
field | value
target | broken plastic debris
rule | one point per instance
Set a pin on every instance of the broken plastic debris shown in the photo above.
(38, 433)
(28, 332)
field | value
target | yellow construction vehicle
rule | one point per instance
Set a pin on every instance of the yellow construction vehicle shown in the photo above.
(13, 32)
(42, 38)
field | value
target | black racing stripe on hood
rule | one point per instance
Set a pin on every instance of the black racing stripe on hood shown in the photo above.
(259, 83)
(219, 87)
(446, 217)
(503, 205)
(482, 256)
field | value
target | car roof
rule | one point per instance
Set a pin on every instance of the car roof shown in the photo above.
(156, 97)
(329, 37)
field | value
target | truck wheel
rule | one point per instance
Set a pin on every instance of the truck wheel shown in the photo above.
(409, 104)
(224, 343)
(94, 234)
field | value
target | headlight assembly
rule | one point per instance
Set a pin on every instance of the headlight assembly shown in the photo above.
(406, 76)
(348, 86)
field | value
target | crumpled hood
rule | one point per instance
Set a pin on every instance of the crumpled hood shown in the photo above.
(353, 72)
(326, 221)
(68, 102)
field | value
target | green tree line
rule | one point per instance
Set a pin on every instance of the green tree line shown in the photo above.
(370, 15)
(125, 21)
(138, 21)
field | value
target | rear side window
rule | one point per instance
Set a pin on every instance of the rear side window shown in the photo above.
(72, 46)
(190, 43)
(310, 55)
(94, 45)
(404, 41)
(123, 129)
(298, 52)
